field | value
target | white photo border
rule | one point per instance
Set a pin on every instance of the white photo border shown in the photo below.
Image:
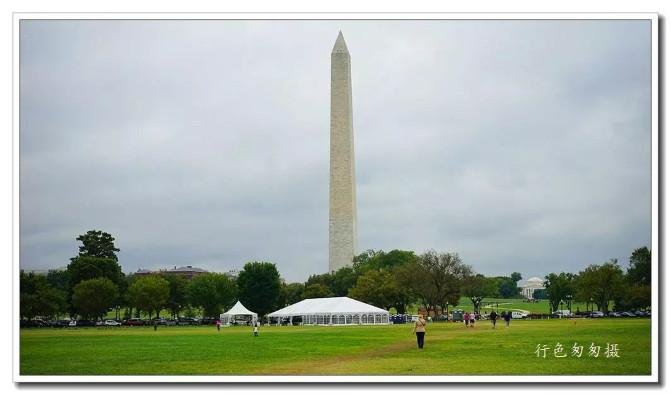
(656, 280)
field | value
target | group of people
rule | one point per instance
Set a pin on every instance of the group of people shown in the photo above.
(506, 316)
(469, 319)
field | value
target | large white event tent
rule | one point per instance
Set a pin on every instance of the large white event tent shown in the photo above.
(333, 311)
(237, 310)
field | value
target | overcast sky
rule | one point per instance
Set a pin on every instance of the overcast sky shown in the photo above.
(522, 145)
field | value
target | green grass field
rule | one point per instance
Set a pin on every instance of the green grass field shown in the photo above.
(451, 349)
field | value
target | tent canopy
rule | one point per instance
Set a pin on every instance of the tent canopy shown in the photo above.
(237, 309)
(330, 311)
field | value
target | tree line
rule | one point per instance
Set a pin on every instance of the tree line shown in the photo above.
(605, 284)
(93, 284)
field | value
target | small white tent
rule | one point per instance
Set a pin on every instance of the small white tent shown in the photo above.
(237, 311)
(333, 311)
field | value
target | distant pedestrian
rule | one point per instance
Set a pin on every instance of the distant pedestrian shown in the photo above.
(155, 326)
(467, 318)
(218, 325)
(471, 319)
(256, 329)
(419, 330)
(507, 316)
(493, 316)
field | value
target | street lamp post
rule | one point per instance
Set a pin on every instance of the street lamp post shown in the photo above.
(569, 298)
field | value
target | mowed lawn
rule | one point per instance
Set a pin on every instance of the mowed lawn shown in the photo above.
(451, 349)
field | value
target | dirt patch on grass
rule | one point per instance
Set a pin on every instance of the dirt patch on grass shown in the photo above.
(339, 364)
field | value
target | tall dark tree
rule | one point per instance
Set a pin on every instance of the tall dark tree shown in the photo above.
(86, 268)
(439, 279)
(259, 287)
(516, 276)
(97, 244)
(558, 287)
(94, 298)
(37, 298)
(213, 292)
(177, 298)
(97, 259)
(639, 271)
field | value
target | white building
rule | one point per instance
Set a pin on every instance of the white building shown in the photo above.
(530, 285)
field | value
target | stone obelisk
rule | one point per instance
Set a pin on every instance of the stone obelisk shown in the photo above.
(342, 200)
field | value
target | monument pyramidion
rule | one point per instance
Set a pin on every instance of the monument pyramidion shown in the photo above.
(342, 187)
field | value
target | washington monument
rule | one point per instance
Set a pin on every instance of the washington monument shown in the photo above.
(342, 199)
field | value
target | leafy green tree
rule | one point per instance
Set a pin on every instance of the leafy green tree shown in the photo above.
(213, 292)
(376, 287)
(558, 287)
(59, 279)
(290, 294)
(93, 298)
(259, 287)
(37, 298)
(380, 260)
(438, 279)
(316, 291)
(601, 284)
(508, 288)
(149, 293)
(343, 279)
(325, 279)
(177, 298)
(97, 244)
(367, 260)
(474, 289)
(640, 269)
(491, 286)
(516, 276)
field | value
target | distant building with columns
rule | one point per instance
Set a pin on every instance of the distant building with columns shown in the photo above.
(529, 286)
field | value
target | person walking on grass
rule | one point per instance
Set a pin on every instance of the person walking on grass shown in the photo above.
(256, 329)
(466, 318)
(507, 316)
(493, 316)
(218, 325)
(419, 330)
(471, 319)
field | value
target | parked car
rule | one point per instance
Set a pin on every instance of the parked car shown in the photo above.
(614, 314)
(519, 315)
(133, 322)
(639, 313)
(72, 323)
(159, 321)
(562, 314)
(209, 321)
(597, 314)
(86, 323)
(627, 314)
(187, 321)
(36, 323)
(111, 323)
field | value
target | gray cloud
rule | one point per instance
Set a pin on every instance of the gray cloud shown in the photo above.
(522, 145)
